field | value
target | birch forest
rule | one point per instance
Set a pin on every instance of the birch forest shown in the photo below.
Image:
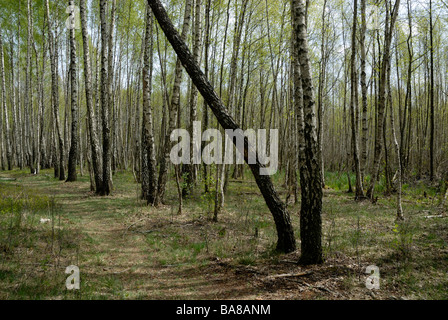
(347, 199)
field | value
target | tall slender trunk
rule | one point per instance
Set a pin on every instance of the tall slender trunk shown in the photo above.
(310, 171)
(149, 174)
(224, 169)
(40, 149)
(193, 101)
(73, 154)
(15, 124)
(397, 149)
(110, 98)
(91, 117)
(391, 17)
(321, 89)
(353, 105)
(298, 111)
(174, 105)
(28, 101)
(405, 145)
(55, 92)
(21, 127)
(5, 109)
(363, 89)
(220, 168)
(206, 71)
(431, 94)
(104, 101)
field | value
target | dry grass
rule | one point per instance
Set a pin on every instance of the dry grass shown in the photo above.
(126, 250)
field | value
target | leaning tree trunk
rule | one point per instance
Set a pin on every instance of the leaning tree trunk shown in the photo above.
(149, 178)
(285, 233)
(92, 122)
(73, 154)
(310, 171)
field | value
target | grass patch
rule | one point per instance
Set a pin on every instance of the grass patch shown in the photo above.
(126, 250)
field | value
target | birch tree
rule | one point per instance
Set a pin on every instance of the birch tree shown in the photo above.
(310, 171)
(73, 155)
(104, 90)
(5, 108)
(55, 93)
(353, 106)
(173, 114)
(149, 172)
(91, 116)
(391, 17)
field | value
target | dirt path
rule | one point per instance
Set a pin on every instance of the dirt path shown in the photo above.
(116, 256)
(126, 250)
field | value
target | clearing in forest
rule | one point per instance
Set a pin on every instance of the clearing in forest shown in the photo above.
(126, 250)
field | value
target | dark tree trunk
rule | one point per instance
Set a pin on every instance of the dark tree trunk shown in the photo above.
(431, 95)
(311, 170)
(73, 154)
(354, 105)
(104, 101)
(149, 178)
(363, 89)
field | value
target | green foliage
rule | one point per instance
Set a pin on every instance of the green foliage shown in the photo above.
(16, 200)
(402, 240)
(208, 198)
(338, 181)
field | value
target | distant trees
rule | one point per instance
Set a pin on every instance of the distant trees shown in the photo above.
(391, 18)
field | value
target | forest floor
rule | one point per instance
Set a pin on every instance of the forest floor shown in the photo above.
(126, 250)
